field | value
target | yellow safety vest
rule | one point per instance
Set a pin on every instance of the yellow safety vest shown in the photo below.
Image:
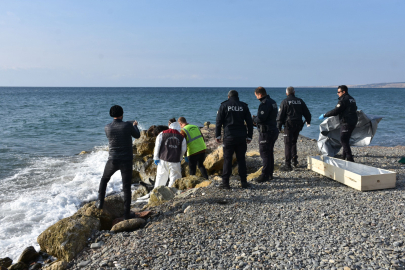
(195, 141)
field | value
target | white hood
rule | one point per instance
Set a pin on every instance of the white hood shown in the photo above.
(175, 126)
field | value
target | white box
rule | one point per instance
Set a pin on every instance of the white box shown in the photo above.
(357, 176)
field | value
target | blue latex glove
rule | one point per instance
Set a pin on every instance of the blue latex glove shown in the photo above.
(157, 161)
(322, 117)
(186, 159)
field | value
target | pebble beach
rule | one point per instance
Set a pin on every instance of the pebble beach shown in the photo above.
(299, 220)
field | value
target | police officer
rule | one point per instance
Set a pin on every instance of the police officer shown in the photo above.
(347, 111)
(268, 132)
(232, 115)
(290, 116)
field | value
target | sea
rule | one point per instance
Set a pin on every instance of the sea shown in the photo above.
(43, 129)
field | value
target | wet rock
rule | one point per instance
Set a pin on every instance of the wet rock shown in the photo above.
(160, 195)
(18, 266)
(188, 182)
(83, 153)
(6, 262)
(129, 225)
(66, 238)
(28, 255)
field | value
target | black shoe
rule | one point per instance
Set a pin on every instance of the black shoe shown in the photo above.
(246, 185)
(131, 215)
(286, 168)
(262, 178)
(222, 186)
(350, 159)
(296, 164)
(99, 204)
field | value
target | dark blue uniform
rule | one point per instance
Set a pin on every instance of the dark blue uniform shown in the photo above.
(290, 116)
(347, 111)
(232, 115)
(268, 134)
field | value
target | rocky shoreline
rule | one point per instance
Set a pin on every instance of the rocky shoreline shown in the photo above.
(300, 220)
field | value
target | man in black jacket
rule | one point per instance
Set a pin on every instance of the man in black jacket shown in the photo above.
(290, 116)
(232, 115)
(268, 132)
(119, 135)
(347, 111)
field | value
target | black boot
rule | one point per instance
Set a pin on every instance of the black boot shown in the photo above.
(246, 185)
(223, 186)
(295, 163)
(262, 178)
(286, 168)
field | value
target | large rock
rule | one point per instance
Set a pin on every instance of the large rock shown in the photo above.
(214, 161)
(57, 265)
(205, 183)
(146, 168)
(145, 144)
(128, 225)
(66, 238)
(28, 255)
(6, 262)
(188, 182)
(139, 192)
(18, 266)
(113, 208)
(102, 215)
(160, 195)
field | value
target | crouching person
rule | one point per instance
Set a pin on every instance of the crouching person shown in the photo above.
(170, 147)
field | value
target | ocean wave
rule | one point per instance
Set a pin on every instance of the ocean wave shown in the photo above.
(48, 190)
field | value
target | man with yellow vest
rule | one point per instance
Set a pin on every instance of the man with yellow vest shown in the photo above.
(195, 147)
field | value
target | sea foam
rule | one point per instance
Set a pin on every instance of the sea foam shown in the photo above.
(48, 190)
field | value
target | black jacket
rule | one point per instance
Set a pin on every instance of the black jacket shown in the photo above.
(266, 114)
(291, 111)
(232, 115)
(346, 109)
(120, 135)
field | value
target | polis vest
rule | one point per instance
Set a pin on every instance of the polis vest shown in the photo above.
(170, 149)
(195, 141)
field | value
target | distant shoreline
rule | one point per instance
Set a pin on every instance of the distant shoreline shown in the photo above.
(371, 85)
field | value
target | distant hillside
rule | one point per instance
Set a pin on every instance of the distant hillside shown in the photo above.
(379, 85)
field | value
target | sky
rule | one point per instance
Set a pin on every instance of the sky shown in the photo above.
(194, 43)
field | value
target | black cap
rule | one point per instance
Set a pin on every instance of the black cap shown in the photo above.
(116, 111)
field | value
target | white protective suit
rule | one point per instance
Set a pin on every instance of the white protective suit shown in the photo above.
(165, 168)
